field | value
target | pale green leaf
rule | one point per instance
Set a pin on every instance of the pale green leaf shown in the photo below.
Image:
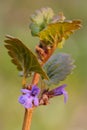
(58, 67)
(40, 19)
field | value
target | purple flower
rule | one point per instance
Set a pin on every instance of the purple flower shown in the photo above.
(29, 97)
(59, 91)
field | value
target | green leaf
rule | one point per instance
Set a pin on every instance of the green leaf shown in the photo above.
(40, 19)
(23, 58)
(55, 33)
(58, 67)
(35, 29)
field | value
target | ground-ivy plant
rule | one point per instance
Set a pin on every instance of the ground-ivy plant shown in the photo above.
(43, 66)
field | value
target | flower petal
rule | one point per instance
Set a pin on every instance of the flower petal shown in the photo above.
(65, 96)
(35, 90)
(22, 99)
(59, 90)
(36, 101)
(28, 103)
(25, 91)
(29, 97)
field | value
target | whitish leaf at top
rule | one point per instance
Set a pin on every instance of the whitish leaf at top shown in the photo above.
(58, 67)
(22, 57)
(40, 19)
(56, 33)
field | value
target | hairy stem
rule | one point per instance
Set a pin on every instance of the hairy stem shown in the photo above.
(27, 119)
(35, 80)
(49, 54)
(29, 112)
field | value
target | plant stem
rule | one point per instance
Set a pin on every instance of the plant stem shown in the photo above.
(35, 80)
(27, 119)
(29, 112)
(49, 54)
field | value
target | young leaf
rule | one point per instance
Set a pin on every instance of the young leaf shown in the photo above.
(22, 57)
(40, 20)
(58, 67)
(55, 33)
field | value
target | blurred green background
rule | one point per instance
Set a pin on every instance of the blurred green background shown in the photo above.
(14, 20)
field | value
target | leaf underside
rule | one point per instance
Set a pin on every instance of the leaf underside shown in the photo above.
(58, 67)
(23, 58)
(56, 32)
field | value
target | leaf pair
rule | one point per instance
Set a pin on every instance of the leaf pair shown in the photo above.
(57, 67)
(23, 58)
